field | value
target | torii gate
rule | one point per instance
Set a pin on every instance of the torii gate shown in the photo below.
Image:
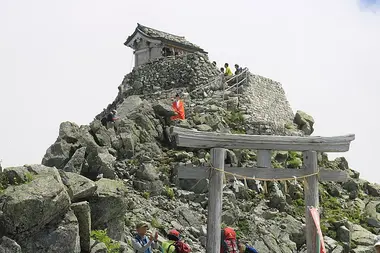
(264, 144)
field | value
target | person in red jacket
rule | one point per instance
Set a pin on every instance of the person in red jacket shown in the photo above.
(179, 108)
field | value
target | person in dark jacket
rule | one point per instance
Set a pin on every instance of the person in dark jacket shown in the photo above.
(111, 117)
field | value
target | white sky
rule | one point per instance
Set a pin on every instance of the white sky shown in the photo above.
(63, 60)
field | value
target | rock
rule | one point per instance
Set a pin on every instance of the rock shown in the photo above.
(373, 190)
(109, 204)
(344, 234)
(281, 156)
(361, 236)
(204, 128)
(68, 132)
(147, 172)
(372, 211)
(351, 186)
(332, 245)
(101, 163)
(7, 245)
(81, 187)
(128, 106)
(76, 161)
(163, 110)
(305, 122)
(98, 247)
(61, 235)
(58, 154)
(83, 214)
(28, 207)
(362, 249)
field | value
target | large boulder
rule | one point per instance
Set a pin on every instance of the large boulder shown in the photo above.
(76, 162)
(361, 236)
(101, 163)
(7, 245)
(29, 206)
(305, 122)
(61, 235)
(163, 110)
(108, 206)
(80, 187)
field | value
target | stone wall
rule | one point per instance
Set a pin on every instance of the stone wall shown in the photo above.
(262, 101)
(265, 101)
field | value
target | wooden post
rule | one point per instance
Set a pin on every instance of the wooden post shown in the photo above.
(311, 198)
(214, 216)
(264, 159)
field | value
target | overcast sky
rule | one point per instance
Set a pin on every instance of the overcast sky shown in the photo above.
(63, 61)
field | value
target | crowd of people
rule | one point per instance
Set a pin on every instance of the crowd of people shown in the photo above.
(145, 242)
(226, 70)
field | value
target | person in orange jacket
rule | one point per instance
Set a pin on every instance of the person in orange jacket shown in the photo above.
(179, 108)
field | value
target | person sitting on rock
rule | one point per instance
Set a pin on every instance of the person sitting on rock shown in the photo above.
(178, 108)
(174, 243)
(238, 69)
(228, 70)
(245, 248)
(141, 243)
(377, 244)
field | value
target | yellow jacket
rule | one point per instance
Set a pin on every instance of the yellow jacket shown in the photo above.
(165, 245)
(228, 72)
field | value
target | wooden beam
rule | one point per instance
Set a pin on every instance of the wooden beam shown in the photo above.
(311, 199)
(190, 172)
(214, 217)
(197, 139)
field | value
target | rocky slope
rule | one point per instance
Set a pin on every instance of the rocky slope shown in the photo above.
(98, 179)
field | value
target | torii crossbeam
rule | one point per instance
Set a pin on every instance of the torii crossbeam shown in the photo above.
(264, 146)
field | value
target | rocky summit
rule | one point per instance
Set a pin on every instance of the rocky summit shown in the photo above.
(95, 182)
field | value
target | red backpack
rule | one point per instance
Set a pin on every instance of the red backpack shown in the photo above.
(180, 247)
(228, 241)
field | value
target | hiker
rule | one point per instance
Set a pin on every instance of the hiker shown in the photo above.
(110, 119)
(214, 63)
(141, 243)
(178, 108)
(174, 243)
(238, 69)
(377, 244)
(228, 243)
(228, 70)
(222, 70)
(245, 248)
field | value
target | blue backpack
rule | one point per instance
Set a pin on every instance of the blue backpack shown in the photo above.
(250, 249)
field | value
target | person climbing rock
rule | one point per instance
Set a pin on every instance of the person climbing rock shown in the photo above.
(141, 242)
(228, 70)
(179, 108)
(174, 243)
(110, 119)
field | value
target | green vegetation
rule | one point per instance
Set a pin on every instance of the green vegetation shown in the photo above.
(169, 192)
(101, 236)
(156, 224)
(294, 160)
(29, 177)
(243, 226)
(235, 121)
(146, 195)
(3, 182)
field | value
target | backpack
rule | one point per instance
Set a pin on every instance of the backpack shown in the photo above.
(250, 249)
(180, 247)
(228, 241)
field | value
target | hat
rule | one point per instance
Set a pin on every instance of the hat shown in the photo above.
(174, 232)
(114, 111)
(377, 241)
(141, 225)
